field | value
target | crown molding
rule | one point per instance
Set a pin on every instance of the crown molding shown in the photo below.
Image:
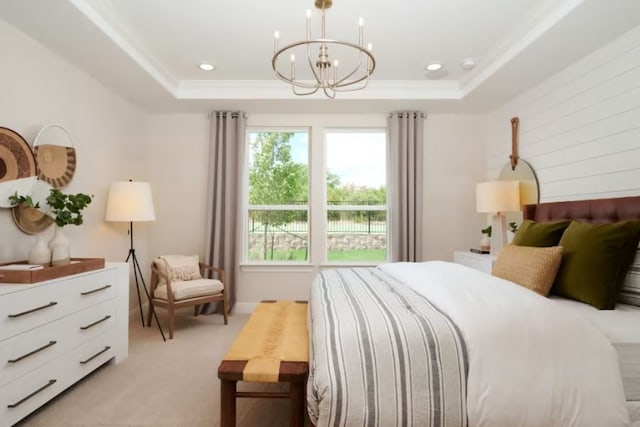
(125, 42)
(275, 89)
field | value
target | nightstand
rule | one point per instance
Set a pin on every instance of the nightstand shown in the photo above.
(482, 262)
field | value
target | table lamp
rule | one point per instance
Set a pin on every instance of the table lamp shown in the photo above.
(497, 197)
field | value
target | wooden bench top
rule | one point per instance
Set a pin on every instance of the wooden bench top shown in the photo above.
(271, 347)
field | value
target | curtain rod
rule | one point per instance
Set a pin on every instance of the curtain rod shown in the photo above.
(221, 113)
(402, 114)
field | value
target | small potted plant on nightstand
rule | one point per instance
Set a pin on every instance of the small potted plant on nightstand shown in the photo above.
(511, 231)
(485, 243)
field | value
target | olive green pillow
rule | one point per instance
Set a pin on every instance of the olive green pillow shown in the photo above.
(540, 234)
(595, 261)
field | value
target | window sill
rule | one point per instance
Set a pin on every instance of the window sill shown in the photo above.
(301, 268)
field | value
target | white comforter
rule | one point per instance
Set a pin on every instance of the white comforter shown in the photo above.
(530, 363)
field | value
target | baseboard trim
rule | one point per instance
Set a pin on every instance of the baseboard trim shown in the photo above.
(244, 307)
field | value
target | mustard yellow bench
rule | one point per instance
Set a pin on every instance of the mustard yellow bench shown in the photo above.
(272, 347)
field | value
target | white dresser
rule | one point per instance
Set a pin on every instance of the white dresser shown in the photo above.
(482, 262)
(55, 332)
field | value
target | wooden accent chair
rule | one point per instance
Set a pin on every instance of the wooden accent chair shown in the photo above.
(180, 292)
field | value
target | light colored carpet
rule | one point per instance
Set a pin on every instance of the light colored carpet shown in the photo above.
(164, 384)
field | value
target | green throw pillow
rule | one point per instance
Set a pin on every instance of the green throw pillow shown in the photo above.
(595, 261)
(540, 234)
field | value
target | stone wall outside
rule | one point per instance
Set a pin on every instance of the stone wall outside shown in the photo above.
(337, 241)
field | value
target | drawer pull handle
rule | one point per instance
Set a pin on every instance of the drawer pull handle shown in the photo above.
(24, 399)
(84, 362)
(91, 325)
(51, 304)
(31, 353)
(95, 290)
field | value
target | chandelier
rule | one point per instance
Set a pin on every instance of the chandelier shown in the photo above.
(348, 69)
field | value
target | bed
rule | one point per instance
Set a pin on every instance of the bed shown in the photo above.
(440, 344)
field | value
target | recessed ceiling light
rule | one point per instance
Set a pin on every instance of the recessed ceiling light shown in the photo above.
(434, 66)
(206, 67)
(468, 63)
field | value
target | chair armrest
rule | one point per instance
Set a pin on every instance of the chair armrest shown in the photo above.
(219, 271)
(155, 273)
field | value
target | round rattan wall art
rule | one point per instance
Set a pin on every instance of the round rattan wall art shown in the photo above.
(55, 156)
(17, 166)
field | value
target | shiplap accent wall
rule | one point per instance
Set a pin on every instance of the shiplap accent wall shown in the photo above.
(580, 129)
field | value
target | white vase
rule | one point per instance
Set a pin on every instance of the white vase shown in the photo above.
(485, 243)
(60, 247)
(40, 253)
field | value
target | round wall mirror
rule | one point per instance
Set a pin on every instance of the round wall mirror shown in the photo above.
(529, 189)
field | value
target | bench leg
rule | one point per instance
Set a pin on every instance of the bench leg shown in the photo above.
(297, 394)
(227, 403)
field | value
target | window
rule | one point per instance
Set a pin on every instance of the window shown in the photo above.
(278, 209)
(317, 203)
(356, 196)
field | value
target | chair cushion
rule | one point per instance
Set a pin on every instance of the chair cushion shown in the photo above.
(178, 267)
(190, 289)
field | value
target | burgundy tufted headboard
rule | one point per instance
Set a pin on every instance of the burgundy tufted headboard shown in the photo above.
(598, 211)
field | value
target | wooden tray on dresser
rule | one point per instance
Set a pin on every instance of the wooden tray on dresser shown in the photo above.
(77, 265)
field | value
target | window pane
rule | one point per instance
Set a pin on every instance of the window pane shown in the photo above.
(278, 168)
(278, 235)
(278, 184)
(356, 176)
(357, 235)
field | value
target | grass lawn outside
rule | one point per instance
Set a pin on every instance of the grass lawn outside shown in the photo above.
(359, 255)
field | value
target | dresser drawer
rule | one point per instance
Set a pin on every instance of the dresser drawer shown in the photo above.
(22, 311)
(32, 349)
(29, 392)
(92, 354)
(37, 305)
(93, 288)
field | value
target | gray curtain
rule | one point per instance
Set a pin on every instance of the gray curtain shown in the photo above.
(226, 157)
(405, 183)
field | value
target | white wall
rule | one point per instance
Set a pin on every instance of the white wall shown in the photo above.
(454, 150)
(580, 129)
(39, 88)
(179, 160)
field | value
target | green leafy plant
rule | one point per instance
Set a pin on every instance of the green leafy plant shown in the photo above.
(25, 201)
(487, 231)
(67, 208)
(513, 227)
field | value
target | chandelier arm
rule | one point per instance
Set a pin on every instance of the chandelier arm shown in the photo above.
(355, 70)
(311, 92)
(331, 95)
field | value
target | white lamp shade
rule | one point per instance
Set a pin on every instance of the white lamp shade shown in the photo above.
(130, 201)
(498, 196)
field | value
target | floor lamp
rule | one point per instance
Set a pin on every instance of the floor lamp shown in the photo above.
(130, 202)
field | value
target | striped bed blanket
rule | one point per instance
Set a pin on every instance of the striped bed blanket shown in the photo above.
(382, 354)
(387, 349)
